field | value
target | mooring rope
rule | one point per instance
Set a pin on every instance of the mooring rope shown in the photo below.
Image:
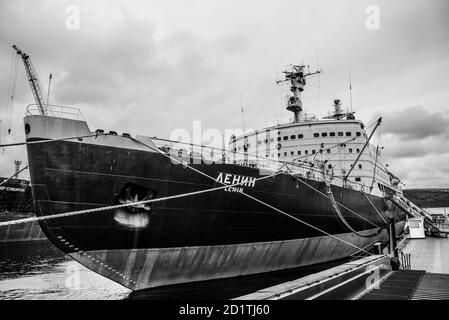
(52, 140)
(341, 205)
(100, 209)
(253, 198)
(342, 218)
(375, 208)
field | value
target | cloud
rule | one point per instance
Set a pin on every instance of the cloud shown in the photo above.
(415, 145)
(416, 123)
(150, 67)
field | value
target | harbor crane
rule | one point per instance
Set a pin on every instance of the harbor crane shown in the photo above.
(33, 80)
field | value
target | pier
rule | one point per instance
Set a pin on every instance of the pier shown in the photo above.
(374, 278)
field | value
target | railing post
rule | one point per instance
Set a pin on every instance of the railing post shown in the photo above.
(392, 236)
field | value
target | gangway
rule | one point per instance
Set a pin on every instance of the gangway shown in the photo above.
(413, 211)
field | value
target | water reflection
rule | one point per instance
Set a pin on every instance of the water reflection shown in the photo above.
(38, 270)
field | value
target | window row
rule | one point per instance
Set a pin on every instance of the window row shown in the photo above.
(350, 150)
(301, 136)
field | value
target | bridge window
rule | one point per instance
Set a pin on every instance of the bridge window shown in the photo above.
(306, 152)
(279, 155)
(358, 179)
(329, 166)
(299, 153)
(328, 150)
(313, 151)
(316, 135)
(285, 154)
(266, 140)
(292, 137)
(340, 134)
(332, 134)
(292, 153)
(358, 150)
(324, 134)
(350, 150)
(348, 134)
(300, 136)
(279, 138)
(360, 166)
(358, 134)
(286, 138)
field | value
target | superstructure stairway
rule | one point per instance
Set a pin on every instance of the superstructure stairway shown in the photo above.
(413, 211)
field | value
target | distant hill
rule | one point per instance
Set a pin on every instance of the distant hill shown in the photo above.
(428, 198)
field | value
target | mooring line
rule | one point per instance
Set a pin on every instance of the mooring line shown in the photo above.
(52, 140)
(341, 205)
(79, 212)
(101, 209)
(375, 208)
(253, 198)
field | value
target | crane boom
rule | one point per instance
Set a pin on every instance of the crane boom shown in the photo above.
(33, 80)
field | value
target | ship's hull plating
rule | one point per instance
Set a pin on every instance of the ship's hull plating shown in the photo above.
(207, 236)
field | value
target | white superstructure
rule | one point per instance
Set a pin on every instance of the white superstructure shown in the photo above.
(335, 148)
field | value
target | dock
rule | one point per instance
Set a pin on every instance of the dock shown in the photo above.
(374, 277)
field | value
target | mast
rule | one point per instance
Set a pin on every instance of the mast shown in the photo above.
(296, 75)
(33, 80)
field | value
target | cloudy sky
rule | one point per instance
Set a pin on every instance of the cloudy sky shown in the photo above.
(149, 67)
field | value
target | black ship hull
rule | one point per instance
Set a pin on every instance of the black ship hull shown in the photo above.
(15, 196)
(206, 236)
(16, 203)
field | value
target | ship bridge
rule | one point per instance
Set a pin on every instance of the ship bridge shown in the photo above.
(337, 143)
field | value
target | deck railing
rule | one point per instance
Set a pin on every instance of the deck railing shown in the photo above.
(405, 259)
(56, 111)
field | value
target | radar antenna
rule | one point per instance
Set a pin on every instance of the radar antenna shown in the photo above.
(296, 75)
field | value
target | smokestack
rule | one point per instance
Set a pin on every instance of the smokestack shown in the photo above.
(17, 165)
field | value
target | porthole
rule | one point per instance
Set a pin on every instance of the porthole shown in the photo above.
(27, 128)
